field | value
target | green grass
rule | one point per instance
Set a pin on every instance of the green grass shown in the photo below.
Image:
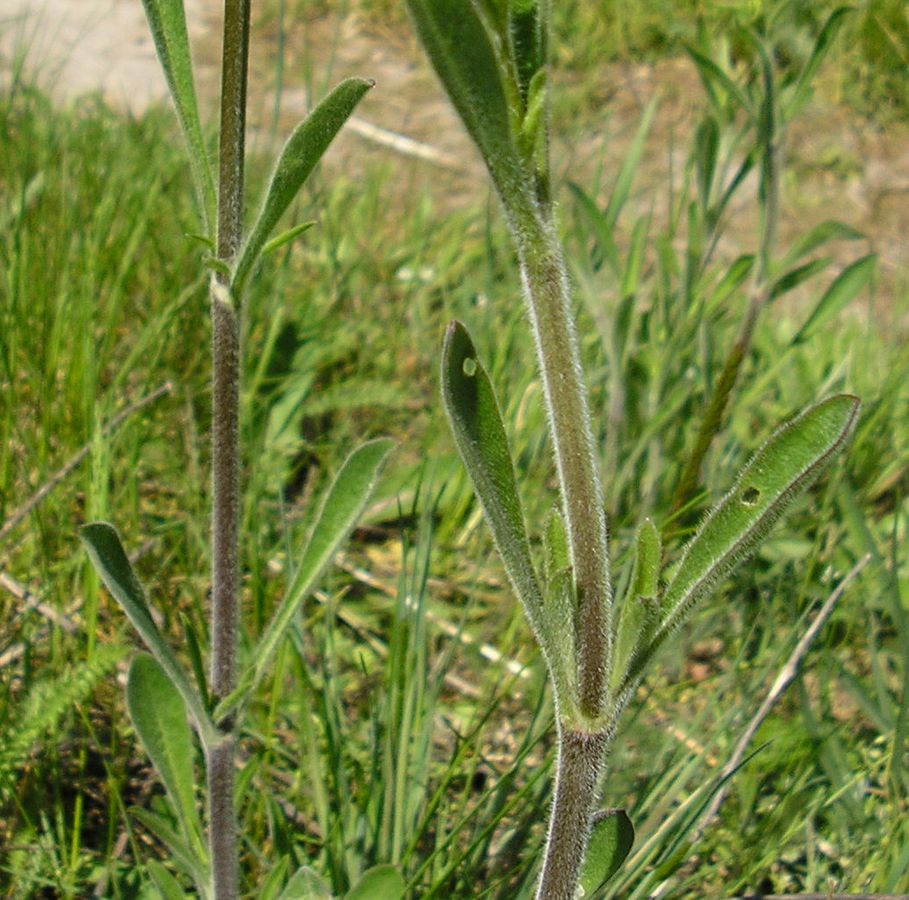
(380, 737)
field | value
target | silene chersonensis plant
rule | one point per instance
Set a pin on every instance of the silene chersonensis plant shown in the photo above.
(160, 691)
(491, 57)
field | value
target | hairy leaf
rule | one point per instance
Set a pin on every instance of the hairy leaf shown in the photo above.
(110, 561)
(304, 148)
(611, 840)
(476, 424)
(159, 716)
(167, 22)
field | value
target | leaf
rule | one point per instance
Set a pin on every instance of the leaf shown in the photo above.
(463, 55)
(611, 840)
(378, 883)
(159, 716)
(168, 886)
(711, 74)
(342, 506)
(304, 148)
(815, 237)
(476, 424)
(181, 855)
(167, 22)
(640, 607)
(285, 237)
(621, 190)
(603, 231)
(794, 277)
(821, 45)
(306, 885)
(706, 144)
(109, 559)
(845, 288)
(793, 458)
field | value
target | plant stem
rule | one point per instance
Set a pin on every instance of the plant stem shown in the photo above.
(549, 303)
(226, 445)
(580, 764)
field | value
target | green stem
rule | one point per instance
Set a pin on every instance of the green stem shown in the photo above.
(579, 767)
(549, 303)
(226, 446)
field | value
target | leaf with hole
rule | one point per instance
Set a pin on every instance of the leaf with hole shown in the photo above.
(611, 840)
(304, 148)
(793, 458)
(167, 21)
(109, 559)
(479, 434)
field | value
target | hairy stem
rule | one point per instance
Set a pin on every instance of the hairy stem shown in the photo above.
(226, 445)
(580, 764)
(549, 303)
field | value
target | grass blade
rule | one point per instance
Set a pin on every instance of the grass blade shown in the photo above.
(304, 148)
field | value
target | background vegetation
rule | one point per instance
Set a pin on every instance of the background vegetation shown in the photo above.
(394, 728)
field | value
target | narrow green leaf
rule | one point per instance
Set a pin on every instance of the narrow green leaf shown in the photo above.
(735, 276)
(168, 886)
(611, 840)
(285, 237)
(821, 45)
(159, 716)
(109, 559)
(306, 884)
(341, 508)
(167, 22)
(378, 883)
(273, 885)
(525, 33)
(712, 75)
(559, 642)
(845, 288)
(794, 277)
(462, 52)
(603, 232)
(621, 190)
(304, 148)
(476, 424)
(793, 458)
(823, 233)
(706, 144)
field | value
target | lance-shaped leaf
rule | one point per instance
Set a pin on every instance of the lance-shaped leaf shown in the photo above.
(845, 288)
(611, 840)
(480, 437)
(110, 561)
(462, 52)
(342, 506)
(159, 717)
(304, 148)
(789, 461)
(168, 886)
(181, 854)
(167, 22)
